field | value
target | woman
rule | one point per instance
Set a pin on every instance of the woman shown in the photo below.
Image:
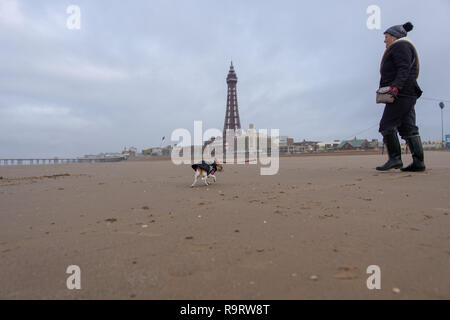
(399, 71)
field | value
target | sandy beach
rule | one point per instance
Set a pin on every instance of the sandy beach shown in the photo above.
(138, 231)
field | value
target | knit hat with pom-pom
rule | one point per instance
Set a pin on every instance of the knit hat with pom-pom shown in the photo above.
(400, 31)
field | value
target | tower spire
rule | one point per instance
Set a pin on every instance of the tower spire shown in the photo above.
(232, 120)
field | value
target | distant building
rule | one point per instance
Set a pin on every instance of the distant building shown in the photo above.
(374, 144)
(286, 144)
(152, 152)
(328, 146)
(250, 137)
(167, 151)
(432, 145)
(354, 144)
(131, 152)
(305, 146)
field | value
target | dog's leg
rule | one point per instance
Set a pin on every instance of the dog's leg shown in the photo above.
(214, 177)
(205, 176)
(196, 174)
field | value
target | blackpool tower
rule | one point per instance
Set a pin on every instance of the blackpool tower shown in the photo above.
(232, 121)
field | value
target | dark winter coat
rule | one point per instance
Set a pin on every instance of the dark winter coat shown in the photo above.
(209, 168)
(400, 68)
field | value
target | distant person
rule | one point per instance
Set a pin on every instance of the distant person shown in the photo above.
(399, 71)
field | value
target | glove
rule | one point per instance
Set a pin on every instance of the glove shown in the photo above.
(393, 91)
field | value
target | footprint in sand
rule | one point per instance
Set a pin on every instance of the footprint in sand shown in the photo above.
(325, 216)
(347, 273)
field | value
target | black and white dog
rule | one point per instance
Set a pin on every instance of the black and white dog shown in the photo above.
(206, 170)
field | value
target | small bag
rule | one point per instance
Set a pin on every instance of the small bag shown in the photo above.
(383, 96)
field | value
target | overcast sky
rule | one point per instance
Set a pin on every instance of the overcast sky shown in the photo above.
(137, 70)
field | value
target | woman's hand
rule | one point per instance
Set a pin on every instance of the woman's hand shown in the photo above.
(393, 91)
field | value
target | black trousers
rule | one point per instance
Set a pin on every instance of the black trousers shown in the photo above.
(400, 116)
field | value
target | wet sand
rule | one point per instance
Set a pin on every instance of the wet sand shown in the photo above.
(138, 231)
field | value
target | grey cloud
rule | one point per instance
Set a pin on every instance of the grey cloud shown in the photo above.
(136, 71)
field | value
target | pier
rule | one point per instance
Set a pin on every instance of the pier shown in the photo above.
(19, 162)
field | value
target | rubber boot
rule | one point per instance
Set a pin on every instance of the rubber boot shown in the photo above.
(415, 145)
(394, 151)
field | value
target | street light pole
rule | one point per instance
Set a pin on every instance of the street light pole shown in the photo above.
(441, 105)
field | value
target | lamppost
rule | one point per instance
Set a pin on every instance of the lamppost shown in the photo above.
(441, 105)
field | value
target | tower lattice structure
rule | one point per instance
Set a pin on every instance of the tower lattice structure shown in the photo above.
(232, 120)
